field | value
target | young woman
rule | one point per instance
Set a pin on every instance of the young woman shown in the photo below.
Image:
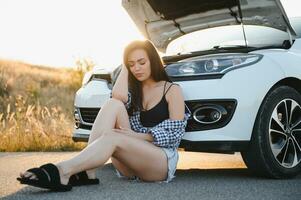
(139, 128)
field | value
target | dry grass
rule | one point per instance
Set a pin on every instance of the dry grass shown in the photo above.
(36, 107)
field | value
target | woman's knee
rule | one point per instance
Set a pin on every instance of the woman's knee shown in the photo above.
(115, 102)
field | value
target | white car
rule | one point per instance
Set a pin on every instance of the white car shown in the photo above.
(239, 65)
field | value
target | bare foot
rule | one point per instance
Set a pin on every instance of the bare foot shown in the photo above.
(63, 176)
(28, 175)
(91, 174)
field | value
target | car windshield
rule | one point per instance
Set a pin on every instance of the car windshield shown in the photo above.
(227, 36)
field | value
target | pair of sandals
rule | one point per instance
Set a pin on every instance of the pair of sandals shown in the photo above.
(48, 177)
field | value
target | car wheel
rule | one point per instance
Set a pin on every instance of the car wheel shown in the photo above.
(275, 147)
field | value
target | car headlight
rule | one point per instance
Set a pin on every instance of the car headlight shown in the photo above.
(87, 77)
(212, 64)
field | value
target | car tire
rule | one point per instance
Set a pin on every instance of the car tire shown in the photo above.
(275, 147)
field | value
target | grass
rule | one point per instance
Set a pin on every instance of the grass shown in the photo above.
(36, 107)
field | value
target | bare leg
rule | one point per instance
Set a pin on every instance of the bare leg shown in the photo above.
(112, 114)
(103, 149)
(148, 161)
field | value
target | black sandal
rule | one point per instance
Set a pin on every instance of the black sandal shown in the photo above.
(81, 178)
(48, 177)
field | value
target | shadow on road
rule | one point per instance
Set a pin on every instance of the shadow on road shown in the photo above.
(188, 184)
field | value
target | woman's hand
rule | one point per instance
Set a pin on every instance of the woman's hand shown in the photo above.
(122, 130)
(124, 68)
(130, 132)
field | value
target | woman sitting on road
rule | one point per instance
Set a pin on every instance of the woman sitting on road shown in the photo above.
(139, 128)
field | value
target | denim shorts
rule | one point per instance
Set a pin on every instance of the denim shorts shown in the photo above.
(172, 160)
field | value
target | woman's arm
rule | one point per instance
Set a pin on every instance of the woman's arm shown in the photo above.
(120, 88)
(130, 132)
(176, 105)
(142, 136)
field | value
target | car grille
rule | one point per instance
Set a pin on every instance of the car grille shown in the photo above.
(89, 114)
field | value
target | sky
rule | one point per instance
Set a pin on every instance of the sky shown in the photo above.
(56, 33)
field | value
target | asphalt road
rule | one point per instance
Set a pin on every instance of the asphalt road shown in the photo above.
(198, 176)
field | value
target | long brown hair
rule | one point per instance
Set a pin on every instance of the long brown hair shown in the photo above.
(157, 71)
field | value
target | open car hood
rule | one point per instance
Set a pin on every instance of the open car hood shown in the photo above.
(162, 21)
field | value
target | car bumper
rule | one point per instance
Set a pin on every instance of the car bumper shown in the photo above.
(80, 135)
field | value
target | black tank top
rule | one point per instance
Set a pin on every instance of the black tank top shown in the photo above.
(157, 114)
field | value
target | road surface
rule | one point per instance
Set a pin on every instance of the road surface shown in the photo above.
(198, 176)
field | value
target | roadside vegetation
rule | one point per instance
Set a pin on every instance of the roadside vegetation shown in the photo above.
(36, 106)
